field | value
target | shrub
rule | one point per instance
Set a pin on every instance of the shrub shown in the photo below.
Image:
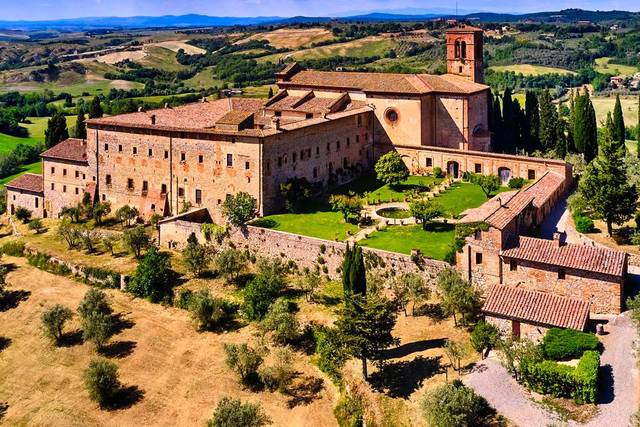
(53, 321)
(330, 351)
(280, 374)
(13, 248)
(261, 292)
(349, 411)
(484, 335)
(455, 405)
(23, 214)
(230, 264)
(281, 322)
(44, 262)
(209, 312)
(101, 380)
(184, 299)
(96, 317)
(244, 360)
(232, 412)
(101, 277)
(549, 377)
(153, 276)
(583, 224)
(136, 239)
(437, 172)
(391, 169)
(195, 256)
(561, 344)
(36, 225)
(516, 182)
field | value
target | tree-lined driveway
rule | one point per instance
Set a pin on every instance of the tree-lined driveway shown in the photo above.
(619, 384)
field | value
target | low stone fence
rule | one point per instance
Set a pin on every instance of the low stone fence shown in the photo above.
(309, 252)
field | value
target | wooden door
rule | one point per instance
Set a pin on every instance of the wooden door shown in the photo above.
(515, 329)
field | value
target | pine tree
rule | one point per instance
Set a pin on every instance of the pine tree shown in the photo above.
(81, 127)
(532, 122)
(95, 108)
(604, 185)
(56, 131)
(548, 131)
(618, 122)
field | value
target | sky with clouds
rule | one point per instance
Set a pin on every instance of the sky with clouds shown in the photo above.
(54, 9)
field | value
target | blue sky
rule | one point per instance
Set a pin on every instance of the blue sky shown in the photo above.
(53, 9)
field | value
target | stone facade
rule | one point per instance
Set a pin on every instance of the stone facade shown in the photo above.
(65, 184)
(33, 201)
(510, 327)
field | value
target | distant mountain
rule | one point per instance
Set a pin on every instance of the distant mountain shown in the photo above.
(194, 20)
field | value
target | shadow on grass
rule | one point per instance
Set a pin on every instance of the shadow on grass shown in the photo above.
(306, 390)
(433, 311)
(327, 300)
(125, 398)
(118, 349)
(412, 347)
(71, 339)
(402, 378)
(3, 409)
(4, 343)
(120, 323)
(12, 299)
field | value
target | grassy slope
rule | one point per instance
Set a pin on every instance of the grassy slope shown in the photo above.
(368, 46)
(30, 168)
(603, 105)
(605, 67)
(530, 70)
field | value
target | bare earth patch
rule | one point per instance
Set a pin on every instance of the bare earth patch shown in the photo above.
(176, 45)
(292, 38)
(176, 374)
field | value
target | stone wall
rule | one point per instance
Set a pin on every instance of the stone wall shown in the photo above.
(25, 199)
(304, 251)
(533, 332)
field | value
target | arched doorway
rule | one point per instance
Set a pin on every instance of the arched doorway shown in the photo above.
(453, 169)
(505, 175)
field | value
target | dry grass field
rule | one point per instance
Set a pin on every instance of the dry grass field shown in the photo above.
(292, 38)
(530, 70)
(368, 46)
(605, 104)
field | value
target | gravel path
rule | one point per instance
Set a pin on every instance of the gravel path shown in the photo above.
(619, 389)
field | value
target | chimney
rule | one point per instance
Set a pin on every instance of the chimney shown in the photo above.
(153, 119)
(557, 238)
(276, 122)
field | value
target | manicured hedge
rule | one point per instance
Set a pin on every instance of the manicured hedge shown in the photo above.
(549, 377)
(559, 344)
(584, 224)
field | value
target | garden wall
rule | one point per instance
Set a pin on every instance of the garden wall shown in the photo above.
(309, 252)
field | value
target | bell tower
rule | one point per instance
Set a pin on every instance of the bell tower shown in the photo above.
(465, 52)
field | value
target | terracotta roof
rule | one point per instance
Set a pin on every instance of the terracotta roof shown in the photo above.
(485, 210)
(234, 117)
(536, 307)
(414, 84)
(199, 115)
(580, 257)
(506, 212)
(544, 188)
(71, 149)
(463, 29)
(27, 182)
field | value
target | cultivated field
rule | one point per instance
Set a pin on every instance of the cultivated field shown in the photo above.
(368, 46)
(292, 38)
(605, 67)
(530, 70)
(603, 105)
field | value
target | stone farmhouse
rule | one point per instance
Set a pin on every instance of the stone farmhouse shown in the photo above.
(329, 127)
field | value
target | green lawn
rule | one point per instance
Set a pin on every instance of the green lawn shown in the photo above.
(381, 193)
(31, 168)
(36, 133)
(434, 243)
(462, 196)
(317, 221)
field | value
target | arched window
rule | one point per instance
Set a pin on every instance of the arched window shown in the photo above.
(457, 49)
(463, 50)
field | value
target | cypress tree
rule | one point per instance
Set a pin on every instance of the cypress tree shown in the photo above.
(81, 127)
(56, 131)
(354, 279)
(346, 271)
(509, 119)
(270, 94)
(95, 108)
(532, 120)
(638, 130)
(585, 131)
(498, 136)
(591, 148)
(618, 122)
(548, 130)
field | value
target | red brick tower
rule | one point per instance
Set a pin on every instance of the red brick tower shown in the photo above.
(464, 52)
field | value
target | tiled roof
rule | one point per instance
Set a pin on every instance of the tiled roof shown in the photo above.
(536, 307)
(482, 212)
(71, 149)
(506, 212)
(543, 188)
(199, 115)
(463, 29)
(415, 84)
(579, 257)
(234, 117)
(27, 182)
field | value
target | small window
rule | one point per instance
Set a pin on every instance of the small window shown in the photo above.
(301, 155)
(135, 150)
(317, 150)
(460, 70)
(478, 257)
(200, 158)
(279, 162)
(108, 179)
(328, 147)
(268, 165)
(120, 148)
(64, 188)
(294, 156)
(77, 174)
(150, 152)
(53, 186)
(129, 184)
(104, 197)
(180, 192)
(198, 197)
(531, 174)
(391, 115)
(246, 165)
(359, 122)
(337, 145)
(166, 154)
(38, 201)
(183, 157)
(53, 170)
(77, 190)
(106, 147)
(348, 142)
(163, 189)
(229, 160)
(64, 172)
(315, 172)
(145, 186)
(513, 265)
(429, 162)
(477, 235)
(357, 138)
(478, 168)
(561, 274)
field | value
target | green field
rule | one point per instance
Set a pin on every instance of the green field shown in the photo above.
(434, 243)
(31, 168)
(378, 192)
(530, 70)
(462, 196)
(605, 67)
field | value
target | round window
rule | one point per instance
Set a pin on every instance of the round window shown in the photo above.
(391, 115)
